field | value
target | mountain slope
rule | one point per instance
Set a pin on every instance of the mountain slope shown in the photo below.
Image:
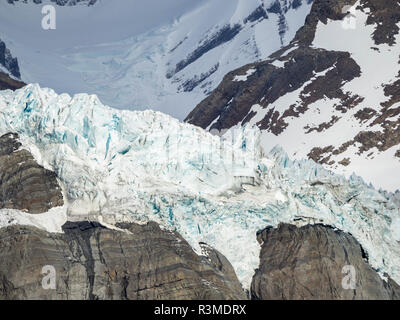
(306, 264)
(145, 59)
(331, 95)
(140, 166)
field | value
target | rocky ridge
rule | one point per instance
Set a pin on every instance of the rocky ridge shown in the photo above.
(135, 262)
(309, 263)
(9, 83)
(8, 62)
(142, 262)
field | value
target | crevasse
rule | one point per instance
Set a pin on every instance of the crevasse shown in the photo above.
(141, 166)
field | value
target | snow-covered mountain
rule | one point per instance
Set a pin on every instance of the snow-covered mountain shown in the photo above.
(332, 95)
(167, 59)
(140, 166)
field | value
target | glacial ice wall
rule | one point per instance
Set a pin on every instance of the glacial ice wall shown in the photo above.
(140, 166)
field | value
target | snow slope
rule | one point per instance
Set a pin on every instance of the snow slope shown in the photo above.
(140, 166)
(346, 115)
(127, 52)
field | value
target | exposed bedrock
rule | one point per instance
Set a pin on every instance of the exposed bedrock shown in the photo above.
(307, 263)
(8, 83)
(24, 184)
(92, 262)
(7, 61)
(232, 101)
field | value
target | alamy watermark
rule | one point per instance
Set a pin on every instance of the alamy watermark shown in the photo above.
(49, 20)
(49, 279)
(349, 281)
(350, 21)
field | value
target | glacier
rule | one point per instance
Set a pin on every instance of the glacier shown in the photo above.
(139, 166)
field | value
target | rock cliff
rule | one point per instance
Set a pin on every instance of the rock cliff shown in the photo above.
(92, 262)
(306, 264)
(24, 184)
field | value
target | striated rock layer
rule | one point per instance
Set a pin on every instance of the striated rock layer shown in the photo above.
(8, 83)
(24, 184)
(307, 263)
(142, 262)
(92, 262)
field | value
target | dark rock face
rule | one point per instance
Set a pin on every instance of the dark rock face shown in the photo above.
(281, 7)
(232, 100)
(92, 262)
(8, 83)
(258, 14)
(8, 62)
(322, 10)
(24, 184)
(306, 263)
(386, 14)
(225, 34)
(191, 84)
(269, 83)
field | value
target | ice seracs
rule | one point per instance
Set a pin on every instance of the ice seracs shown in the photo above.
(144, 165)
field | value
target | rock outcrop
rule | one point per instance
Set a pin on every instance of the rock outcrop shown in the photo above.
(24, 184)
(269, 83)
(8, 83)
(8, 62)
(92, 262)
(307, 263)
(9, 70)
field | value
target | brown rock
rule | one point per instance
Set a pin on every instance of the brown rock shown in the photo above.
(138, 263)
(24, 184)
(307, 263)
(8, 83)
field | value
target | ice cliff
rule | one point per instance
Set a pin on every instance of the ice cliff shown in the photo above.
(139, 166)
